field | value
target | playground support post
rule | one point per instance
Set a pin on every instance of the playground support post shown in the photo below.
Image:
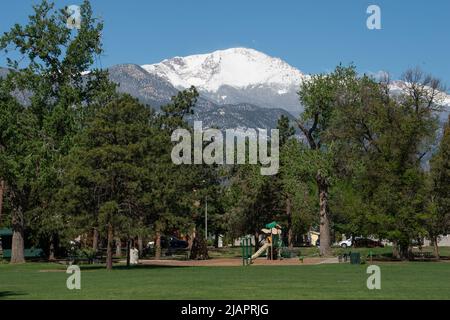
(271, 247)
(243, 251)
(246, 250)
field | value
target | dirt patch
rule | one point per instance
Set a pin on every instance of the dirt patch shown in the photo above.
(232, 262)
(52, 270)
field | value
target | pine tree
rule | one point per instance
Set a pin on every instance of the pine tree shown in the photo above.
(108, 166)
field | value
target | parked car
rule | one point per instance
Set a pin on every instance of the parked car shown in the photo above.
(346, 243)
(173, 242)
(367, 243)
(169, 242)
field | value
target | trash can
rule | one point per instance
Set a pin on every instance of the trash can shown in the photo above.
(286, 254)
(355, 258)
(134, 256)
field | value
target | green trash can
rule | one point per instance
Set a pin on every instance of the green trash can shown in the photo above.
(286, 254)
(355, 258)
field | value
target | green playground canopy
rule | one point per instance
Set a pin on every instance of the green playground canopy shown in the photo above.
(271, 225)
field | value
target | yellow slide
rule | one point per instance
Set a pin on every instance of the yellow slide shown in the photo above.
(261, 250)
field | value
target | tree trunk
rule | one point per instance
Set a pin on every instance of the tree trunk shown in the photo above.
(84, 239)
(191, 239)
(95, 240)
(325, 248)
(400, 250)
(256, 240)
(118, 247)
(404, 250)
(395, 251)
(18, 245)
(51, 255)
(409, 253)
(436, 247)
(128, 252)
(290, 231)
(2, 191)
(158, 245)
(140, 246)
(216, 239)
(109, 250)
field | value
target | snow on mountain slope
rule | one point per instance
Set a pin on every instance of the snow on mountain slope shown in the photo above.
(236, 75)
(236, 67)
(399, 87)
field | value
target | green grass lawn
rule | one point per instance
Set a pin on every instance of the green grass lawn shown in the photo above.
(409, 280)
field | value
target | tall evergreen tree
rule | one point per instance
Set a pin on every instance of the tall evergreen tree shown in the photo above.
(296, 190)
(109, 164)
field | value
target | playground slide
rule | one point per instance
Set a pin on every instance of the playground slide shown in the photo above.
(261, 250)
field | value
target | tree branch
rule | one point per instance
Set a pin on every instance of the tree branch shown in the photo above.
(308, 134)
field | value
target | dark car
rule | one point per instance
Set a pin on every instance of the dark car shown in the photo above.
(173, 243)
(366, 243)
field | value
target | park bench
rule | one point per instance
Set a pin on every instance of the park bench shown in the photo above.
(29, 253)
(423, 255)
(344, 257)
(89, 258)
(184, 253)
(83, 259)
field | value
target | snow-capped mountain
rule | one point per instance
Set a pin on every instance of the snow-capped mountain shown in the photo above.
(155, 91)
(242, 75)
(236, 75)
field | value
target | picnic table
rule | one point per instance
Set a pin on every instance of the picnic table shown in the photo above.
(424, 255)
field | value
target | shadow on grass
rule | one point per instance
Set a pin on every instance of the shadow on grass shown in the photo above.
(6, 294)
(146, 266)
(124, 267)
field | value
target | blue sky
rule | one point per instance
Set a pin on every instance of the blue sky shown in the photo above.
(313, 36)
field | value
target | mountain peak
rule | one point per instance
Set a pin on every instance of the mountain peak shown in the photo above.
(234, 67)
(239, 50)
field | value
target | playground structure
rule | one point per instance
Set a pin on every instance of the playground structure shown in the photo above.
(273, 245)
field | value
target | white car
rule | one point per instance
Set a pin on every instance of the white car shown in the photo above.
(346, 243)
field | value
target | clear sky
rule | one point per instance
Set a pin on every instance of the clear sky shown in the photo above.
(313, 36)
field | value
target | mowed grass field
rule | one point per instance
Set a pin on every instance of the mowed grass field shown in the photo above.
(403, 280)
